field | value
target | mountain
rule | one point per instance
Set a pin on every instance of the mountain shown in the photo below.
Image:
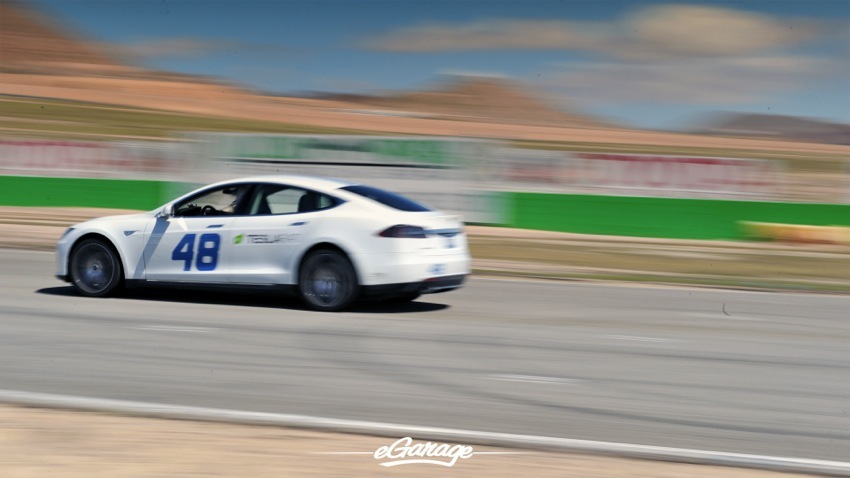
(40, 57)
(30, 41)
(790, 128)
(475, 99)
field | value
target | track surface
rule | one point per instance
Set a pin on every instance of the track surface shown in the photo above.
(729, 371)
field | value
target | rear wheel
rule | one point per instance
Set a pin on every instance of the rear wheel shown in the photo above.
(95, 268)
(326, 281)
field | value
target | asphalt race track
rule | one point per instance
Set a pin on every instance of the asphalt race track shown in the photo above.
(760, 373)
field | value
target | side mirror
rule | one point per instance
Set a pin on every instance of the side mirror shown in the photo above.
(167, 212)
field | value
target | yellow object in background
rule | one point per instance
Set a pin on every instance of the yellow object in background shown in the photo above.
(796, 233)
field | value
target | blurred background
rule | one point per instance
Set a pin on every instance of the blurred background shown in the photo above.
(721, 101)
(642, 141)
(713, 120)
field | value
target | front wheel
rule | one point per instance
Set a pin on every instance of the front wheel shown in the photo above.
(326, 281)
(95, 268)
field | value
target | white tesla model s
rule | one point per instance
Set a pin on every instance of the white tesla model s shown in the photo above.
(328, 241)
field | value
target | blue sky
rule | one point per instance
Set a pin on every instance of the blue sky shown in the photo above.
(645, 63)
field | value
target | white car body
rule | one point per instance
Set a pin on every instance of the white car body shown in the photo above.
(250, 246)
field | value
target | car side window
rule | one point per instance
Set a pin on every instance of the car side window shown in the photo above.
(224, 201)
(280, 199)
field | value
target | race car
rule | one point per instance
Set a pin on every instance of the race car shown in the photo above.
(327, 241)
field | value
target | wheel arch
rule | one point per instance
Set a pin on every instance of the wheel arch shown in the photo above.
(326, 245)
(100, 236)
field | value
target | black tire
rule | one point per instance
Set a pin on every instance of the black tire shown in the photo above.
(403, 298)
(95, 268)
(327, 281)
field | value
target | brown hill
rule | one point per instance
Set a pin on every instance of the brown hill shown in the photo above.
(30, 41)
(33, 43)
(476, 99)
(775, 126)
(39, 58)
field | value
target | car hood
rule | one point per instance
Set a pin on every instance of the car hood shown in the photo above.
(118, 219)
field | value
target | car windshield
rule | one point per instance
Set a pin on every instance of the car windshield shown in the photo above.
(393, 200)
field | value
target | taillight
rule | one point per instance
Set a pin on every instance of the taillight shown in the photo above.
(403, 231)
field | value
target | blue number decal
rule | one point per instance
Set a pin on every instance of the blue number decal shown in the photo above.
(208, 246)
(208, 252)
(184, 251)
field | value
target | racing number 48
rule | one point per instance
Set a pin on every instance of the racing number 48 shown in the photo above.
(207, 258)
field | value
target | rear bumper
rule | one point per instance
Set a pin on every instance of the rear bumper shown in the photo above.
(409, 268)
(428, 286)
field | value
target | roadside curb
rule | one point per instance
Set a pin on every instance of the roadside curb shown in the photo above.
(647, 452)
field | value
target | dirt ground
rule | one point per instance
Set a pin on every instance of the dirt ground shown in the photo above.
(36, 443)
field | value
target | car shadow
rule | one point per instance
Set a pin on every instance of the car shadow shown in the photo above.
(224, 296)
(376, 307)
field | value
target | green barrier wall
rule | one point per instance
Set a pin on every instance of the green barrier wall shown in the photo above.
(83, 192)
(660, 217)
(584, 214)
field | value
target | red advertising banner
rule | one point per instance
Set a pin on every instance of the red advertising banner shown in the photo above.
(678, 173)
(89, 159)
(633, 174)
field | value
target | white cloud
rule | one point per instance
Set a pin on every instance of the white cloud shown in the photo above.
(170, 47)
(665, 31)
(190, 47)
(473, 73)
(685, 54)
(672, 31)
(487, 35)
(703, 81)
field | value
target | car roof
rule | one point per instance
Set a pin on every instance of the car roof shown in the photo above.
(309, 182)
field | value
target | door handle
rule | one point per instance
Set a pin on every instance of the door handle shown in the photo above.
(299, 223)
(215, 226)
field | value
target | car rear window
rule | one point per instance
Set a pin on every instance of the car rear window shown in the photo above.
(393, 200)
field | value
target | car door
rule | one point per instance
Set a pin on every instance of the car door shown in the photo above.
(193, 244)
(268, 238)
